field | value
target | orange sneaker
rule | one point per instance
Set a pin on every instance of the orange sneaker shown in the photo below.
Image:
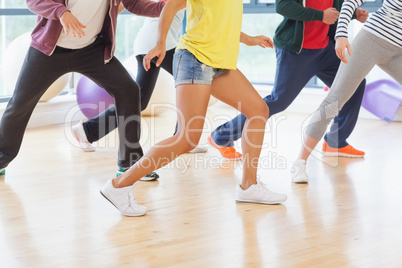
(347, 151)
(227, 152)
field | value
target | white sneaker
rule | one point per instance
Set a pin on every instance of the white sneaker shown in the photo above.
(199, 149)
(123, 199)
(298, 171)
(259, 193)
(79, 133)
(2, 171)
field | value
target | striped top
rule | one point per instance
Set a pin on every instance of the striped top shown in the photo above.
(385, 23)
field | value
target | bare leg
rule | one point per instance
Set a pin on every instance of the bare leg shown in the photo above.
(235, 90)
(192, 103)
(308, 146)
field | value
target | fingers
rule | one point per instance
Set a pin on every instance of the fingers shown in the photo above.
(330, 15)
(341, 46)
(159, 61)
(263, 41)
(76, 30)
(341, 53)
(146, 62)
(72, 24)
(362, 15)
(271, 43)
(268, 42)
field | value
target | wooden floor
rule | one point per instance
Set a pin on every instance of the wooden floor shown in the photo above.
(349, 215)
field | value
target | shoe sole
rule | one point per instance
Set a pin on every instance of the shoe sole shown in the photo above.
(260, 202)
(232, 159)
(142, 179)
(198, 151)
(331, 154)
(148, 179)
(300, 182)
(136, 215)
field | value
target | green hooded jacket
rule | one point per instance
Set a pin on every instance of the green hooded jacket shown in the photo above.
(289, 33)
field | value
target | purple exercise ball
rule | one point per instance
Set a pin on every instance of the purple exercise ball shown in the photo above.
(91, 98)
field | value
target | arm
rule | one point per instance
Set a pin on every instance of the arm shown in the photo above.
(295, 11)
(47, 8)
(145, 8)
(347, 11)
(259, 40)
(342, 44)
(57, 11)
(166, 18)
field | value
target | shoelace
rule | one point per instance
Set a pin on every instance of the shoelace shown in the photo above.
(263, 186)
(130, 198)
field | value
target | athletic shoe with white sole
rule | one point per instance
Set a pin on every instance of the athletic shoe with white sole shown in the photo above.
(79, 133)
(2, 171)
(123, 199)
(260, 194)
(298, 171)
(153, 176)
(347, 151)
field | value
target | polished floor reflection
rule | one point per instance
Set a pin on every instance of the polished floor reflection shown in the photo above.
(52, 215)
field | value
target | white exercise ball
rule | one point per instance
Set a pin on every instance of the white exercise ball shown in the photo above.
(56, 88)
(13, 60)
(164, 95)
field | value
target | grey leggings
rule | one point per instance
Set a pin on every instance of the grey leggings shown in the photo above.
(368, 50)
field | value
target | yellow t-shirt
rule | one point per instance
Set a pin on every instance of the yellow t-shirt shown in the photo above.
(213, 31)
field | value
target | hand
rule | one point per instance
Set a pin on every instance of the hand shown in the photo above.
(330, 15)
(158, 51)
(71, 23)
(341, 45)
(362, 15)
(261, 41)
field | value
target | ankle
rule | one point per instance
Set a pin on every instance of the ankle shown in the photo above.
(246, 184)
(115, 183)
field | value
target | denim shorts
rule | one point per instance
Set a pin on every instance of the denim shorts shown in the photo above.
(188, 70)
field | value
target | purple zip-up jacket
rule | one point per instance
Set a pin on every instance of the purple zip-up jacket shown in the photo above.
(48, 28)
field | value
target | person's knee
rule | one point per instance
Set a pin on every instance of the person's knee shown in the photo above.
(278, 104)
(187, 143)
(261, 110)
(328, 110)
(260, 114)
(127, 90)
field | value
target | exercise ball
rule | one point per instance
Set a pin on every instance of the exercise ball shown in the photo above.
(56, 88)
(91, 98)
(13, 60)
(164, 95)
